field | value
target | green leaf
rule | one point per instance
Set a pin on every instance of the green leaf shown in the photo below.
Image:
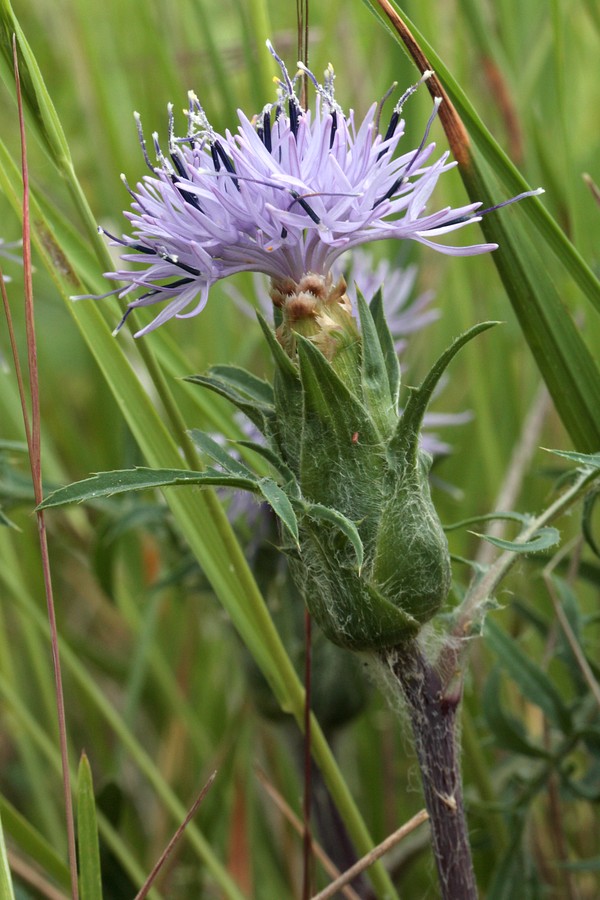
(274, 459)
(386, 343)
(532, 681)
(245, 382)
(33, 89)
(409, 426)
(375, 380)
(105, 484)
(90, 880)
(280, 504)
(509, 733)
(207, 444)
(588, 460)
(284, 364)
(323, 513)
(32, 843)
(331, 459)
(258, 413)
(6, 885)
(543, 539)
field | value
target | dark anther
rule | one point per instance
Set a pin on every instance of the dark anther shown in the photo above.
(165, 287)
(225, 160)
(266, 131)
(284, 233)
(182, 265)
(391, 129)
(307, 209)
(333, 128)
(185, 195)
(293, 117)
(139, 247)
(391, 192)
(215, 158)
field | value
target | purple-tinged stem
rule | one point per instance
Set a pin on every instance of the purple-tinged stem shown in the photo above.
(306, 803)
(33, 432)
(433, 712)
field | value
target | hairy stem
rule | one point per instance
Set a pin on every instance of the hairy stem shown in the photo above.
(433, 714)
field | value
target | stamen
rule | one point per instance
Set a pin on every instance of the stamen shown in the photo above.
(411, 90)
(293, 116)
(307, 209)
(404, 177)
(199, 128)
(169, 257)
(325, 91)
(160, 288)
(395, 117)
(284, 71)
(263, 127)
(142, 140)
(333, 128)
(123, 243)
(536, 193)
(382, 103)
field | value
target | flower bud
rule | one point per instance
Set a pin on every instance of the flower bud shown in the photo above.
(372, 560)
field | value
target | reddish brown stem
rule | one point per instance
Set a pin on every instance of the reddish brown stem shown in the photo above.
(306, 805)
(33, 432)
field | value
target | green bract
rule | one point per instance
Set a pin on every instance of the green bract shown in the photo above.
(369, 554)
(348, 480)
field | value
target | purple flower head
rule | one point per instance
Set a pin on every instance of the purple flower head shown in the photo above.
(286, 195)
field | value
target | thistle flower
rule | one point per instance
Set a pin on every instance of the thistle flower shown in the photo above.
(286, 196)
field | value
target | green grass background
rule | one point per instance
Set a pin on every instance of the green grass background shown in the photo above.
(156, 686)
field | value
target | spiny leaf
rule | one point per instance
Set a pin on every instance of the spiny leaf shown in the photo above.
(105, 484)
(589, 460)
(325, 514)
(258, 413)
(256, 388)
(407, 433)
(375, 379)
(280, 504)
(282, 361)
(543, 539)
(386, 343)
(273, 458)
(207, 444)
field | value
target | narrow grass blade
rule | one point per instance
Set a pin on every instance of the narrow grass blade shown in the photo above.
(569, 370)
(6, 886)
(90, 879)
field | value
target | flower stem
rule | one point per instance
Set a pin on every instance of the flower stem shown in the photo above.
(433, 715)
